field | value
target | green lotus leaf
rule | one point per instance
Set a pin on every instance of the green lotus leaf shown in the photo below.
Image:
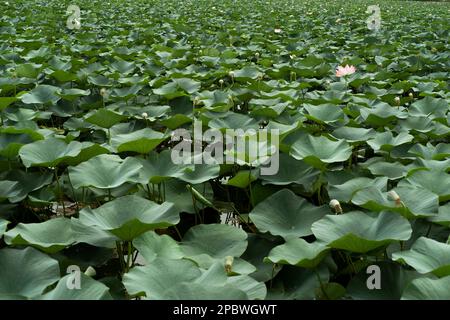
(90, 289)
(345, 192)
(429, 107)
(142, 141)
(159, 167)
(9, 189)
(123, 67)
(49, 152)
(430, 152)
(207, 243)
(352, 134)
(359, 232)
(427, 256)
(92, 235)
(415, 201)
(254, 290)
(443, 216)
(247, 73)
(73, 93)
(324, 113)
(88, 151)
(157, 278)
(320, 151)
(63, 76)
(105, 118)
(27, 182)
(153, 246)
(294, 283)
(129, 216)
(213, 98)
(99, 80)
(3, 224)
(386, 141)
(393, 280)
(126, 92)
(286, 215)
(292, 171)
(6, 101)
(10, 144)
(22, 115)
(234, 121)
(257, 250)
(26, 273)
(381, 114)
(42, 94)
(243, 179)
(105, 172)
(435, 181)
(200, 173)
(392, 170)
(178, 87)
(28, 70)
(50, 236)
(428, 289)
(176, 121)
(298, 252)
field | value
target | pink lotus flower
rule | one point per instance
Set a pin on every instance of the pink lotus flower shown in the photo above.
(343, 71)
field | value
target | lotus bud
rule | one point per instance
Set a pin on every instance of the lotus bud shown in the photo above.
(338, 20)
(336, 206)
(90, 272)
(103, 92)
(231, 74)
(196, 101)
(229, 264)
(144, 115)
(411, 95)
(393, 196)
(221, 81)
(200, 51)
(257, 55)
(397, 100)
(292, 56)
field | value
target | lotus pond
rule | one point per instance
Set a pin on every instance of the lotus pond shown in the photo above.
(92, 205)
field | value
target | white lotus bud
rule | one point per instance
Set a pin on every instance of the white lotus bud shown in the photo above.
(103, 92)
(229, 264)
(144, 115)
(411, 95)
(257, 55)
(393, 196)
(196, 101)
(221, 81)
(292, 56)
(90, 272)
(397, 100)
(231, 74)
(336, 206)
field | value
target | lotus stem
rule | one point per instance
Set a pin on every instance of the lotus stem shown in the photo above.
(60, 195)
(130, 249)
